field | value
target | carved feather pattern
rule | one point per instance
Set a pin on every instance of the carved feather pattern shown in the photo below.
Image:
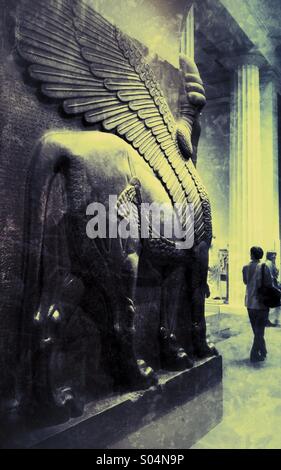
(99, 72)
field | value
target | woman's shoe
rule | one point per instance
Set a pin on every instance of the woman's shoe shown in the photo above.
(270, 324)
(257, 357)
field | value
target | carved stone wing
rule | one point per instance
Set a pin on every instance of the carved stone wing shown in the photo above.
(100, 73)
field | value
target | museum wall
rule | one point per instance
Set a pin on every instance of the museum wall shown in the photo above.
(213, 165)
(155, 23)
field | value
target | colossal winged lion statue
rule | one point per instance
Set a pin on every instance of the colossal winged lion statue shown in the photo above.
(139, 153)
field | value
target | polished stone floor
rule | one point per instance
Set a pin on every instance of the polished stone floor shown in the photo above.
(251, 400)
(252, 396)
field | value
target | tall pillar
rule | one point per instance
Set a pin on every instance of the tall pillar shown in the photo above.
(187, 40)
(246, 194)
(269, 148)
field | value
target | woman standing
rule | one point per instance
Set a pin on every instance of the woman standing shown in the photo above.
(258, 312)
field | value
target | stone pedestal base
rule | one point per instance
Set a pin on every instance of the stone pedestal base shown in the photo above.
(175, 414)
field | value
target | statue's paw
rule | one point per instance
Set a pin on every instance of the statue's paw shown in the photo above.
(138, 377)
(178, 360)
(173, 357)
(141, 376)
(66, 400)
(206, 350)
(145, 377)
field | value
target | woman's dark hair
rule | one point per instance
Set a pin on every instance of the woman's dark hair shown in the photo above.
(256, 252)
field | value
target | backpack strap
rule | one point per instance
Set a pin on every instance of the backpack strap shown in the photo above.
(262, 273)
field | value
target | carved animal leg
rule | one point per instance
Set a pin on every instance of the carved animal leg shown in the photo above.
(53, 384)
(199, 290)
(59, 295)
(110, 267)
(133, 371)
(173, 357)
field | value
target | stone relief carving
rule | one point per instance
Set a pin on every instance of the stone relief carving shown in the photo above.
(79, 304)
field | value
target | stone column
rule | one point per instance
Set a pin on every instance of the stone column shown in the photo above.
(246, 179)
(269, 149)
(187, 41)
